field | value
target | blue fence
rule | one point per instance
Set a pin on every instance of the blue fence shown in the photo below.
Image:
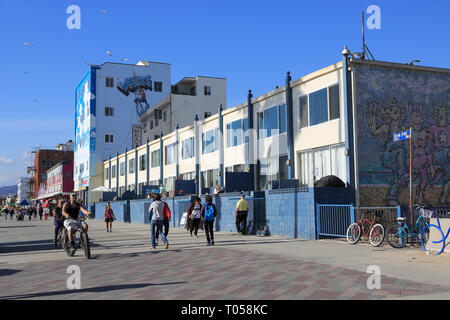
(333, 220)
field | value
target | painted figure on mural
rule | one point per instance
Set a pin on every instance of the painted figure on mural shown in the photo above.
(422, 164)
(137, 85)
(440, 132)
(393, 156)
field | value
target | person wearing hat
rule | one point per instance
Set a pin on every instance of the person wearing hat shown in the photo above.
(241, 215)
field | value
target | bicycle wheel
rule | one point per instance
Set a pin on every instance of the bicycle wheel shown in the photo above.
(425, 237)
(85, 244)
(396, 236)
(353, 233)
(376, 235)
(59, 239)
(70, 252)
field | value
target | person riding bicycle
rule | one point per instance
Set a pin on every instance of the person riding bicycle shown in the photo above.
(70, 212)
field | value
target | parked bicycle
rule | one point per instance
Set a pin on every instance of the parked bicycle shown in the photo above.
(82, 241)
(399, 234)
(427, 230)
(369, 226)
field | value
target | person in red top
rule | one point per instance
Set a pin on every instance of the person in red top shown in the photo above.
(166, 221)
(109, 218)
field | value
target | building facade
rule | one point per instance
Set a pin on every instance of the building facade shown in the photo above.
(339, 120)
(109, 100)
(200, 95)
(23, 190)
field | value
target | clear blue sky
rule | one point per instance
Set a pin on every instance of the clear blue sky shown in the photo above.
(251, 43)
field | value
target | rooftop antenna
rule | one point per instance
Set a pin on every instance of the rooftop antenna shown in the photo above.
(365, 49)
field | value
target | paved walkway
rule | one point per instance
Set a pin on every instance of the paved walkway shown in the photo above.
(239, 268)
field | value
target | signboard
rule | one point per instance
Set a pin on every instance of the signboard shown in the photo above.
(137, 136)
(402, 135)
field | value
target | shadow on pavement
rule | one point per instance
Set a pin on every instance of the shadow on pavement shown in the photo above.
(8, 272)
(87, 290)
(45, 245)
(9, 227)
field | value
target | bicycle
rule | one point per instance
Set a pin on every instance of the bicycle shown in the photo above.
(399, 233)
(370, 229)
(81, 242)
(443, 240)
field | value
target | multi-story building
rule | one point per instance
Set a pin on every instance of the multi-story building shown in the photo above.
(190, 96)
(339, 120)
(109, 100)
(23, 190)
(45, 159)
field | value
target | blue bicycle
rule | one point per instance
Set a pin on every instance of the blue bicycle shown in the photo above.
(399, 234)
(427, 229)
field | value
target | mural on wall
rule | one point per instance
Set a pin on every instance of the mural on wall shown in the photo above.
(137, 85)
(393, 100)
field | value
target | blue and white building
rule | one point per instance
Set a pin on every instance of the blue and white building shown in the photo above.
(109, 100)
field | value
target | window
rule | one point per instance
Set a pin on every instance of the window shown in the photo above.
(109, 138)
(273, 168)
(44, 163)
(109, 112)
(170, 153)
(109, 82)
(303, 112)
(158, 86)
(106, 173)
(318, 163)
(122, 169)
(68, 176)
(236, 131)
(52, 163)
(209, 178)
(318, 108)
(282, 118)
(207, 90)
(193, 91)
(169, 183)
(156, 122)
(333, 94)
(151, 124)
(114, 171)
(155, 159)
(142, 160)
(209, 141)
(131, 164)
(164, 116)
(187, 148)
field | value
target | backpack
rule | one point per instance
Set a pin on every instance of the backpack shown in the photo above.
(209, 212)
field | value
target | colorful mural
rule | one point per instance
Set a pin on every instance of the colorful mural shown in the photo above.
(137, 85)
(390, 100)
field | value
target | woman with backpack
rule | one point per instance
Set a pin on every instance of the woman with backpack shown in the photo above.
(209, 213)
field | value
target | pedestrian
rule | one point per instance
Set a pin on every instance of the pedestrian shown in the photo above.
(30, 213)
(166, 221)
(209, 213)
(41, 212)
(11, 213)
(58, 221)
(109, 217)
(34, 212)
(156, 218)
(241, 215)
(195, 215)
(46, 212)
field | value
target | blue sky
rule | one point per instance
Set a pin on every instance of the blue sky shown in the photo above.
(251, 43)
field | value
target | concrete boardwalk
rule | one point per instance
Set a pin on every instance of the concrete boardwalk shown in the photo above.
(238, 268)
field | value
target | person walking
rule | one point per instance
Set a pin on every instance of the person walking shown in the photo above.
(209, 213)
(156, 219)
(195, 215)
(58, 221)
(30, 213)
(166, 221)
(109, 217)
(241, 215)
(46, 212)
(11, 213)
(41, 212)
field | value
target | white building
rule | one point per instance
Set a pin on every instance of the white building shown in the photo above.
(109, 99)
(23, 190)
(190, 96)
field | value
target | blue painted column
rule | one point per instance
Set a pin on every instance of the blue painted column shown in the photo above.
(126, 169)
(252, 141)
(348, 122)
(221, 147)
(290, 127)
(161, 158)
(147, 165)
(197, 144)
(177, 147)
(117, 173)
(136, 168)
(110, 172)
